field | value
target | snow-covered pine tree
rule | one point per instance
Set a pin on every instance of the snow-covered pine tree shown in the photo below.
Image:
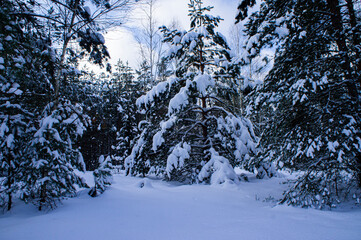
(49, 173)
(102, 176)
(25, 57)
(311, 96)
(52, 156)
(196, 134)
(138, 162)
(76, 31)
(33, 77)
(127, 130)
(144, 76)
(14, 120)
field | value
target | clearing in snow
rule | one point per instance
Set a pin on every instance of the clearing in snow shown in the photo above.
(135, 208)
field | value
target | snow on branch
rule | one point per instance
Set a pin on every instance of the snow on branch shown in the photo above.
(241, 130)
(158, 137)
(176, 158)
(146, 100)
(218, 169)
(203, 82)
(180, 100)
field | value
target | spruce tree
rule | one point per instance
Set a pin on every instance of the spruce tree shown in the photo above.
(310, 98)
(144, 76)
(193, 131)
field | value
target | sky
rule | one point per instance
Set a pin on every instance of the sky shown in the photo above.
(122, 45)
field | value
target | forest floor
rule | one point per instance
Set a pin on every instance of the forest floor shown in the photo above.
(150, 209)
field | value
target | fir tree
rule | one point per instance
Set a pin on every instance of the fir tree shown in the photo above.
(39, 117)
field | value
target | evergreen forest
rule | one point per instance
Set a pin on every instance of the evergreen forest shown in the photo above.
(285, 98)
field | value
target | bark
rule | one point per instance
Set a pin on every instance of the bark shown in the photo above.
(42, 191)
(9, 187)
(203, 99)
(151, 35)
(358, 169)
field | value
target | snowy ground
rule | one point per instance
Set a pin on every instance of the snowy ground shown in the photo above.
(162, 210)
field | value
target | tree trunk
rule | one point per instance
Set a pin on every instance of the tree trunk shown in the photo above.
(355, 32)
(151, 33)
(42, 191)
(358, 169)
(203, 98)
(336, 20)
(9, 183)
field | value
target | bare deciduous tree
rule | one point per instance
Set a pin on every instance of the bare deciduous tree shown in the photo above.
(149, 40)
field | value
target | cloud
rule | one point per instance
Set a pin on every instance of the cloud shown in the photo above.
(122, 45)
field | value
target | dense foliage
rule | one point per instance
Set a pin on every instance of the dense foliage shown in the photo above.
(42, 98)
(188, 115)
(193, 131)
(309, 103)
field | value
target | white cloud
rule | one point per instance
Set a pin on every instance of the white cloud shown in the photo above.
(121, 43)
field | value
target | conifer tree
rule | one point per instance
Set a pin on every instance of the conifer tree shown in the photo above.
(39, 117)
(25, 59)
(49, 174)
(144, 76)
(102, 176)
(127, 120)
(311, 96)
(192, 118)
